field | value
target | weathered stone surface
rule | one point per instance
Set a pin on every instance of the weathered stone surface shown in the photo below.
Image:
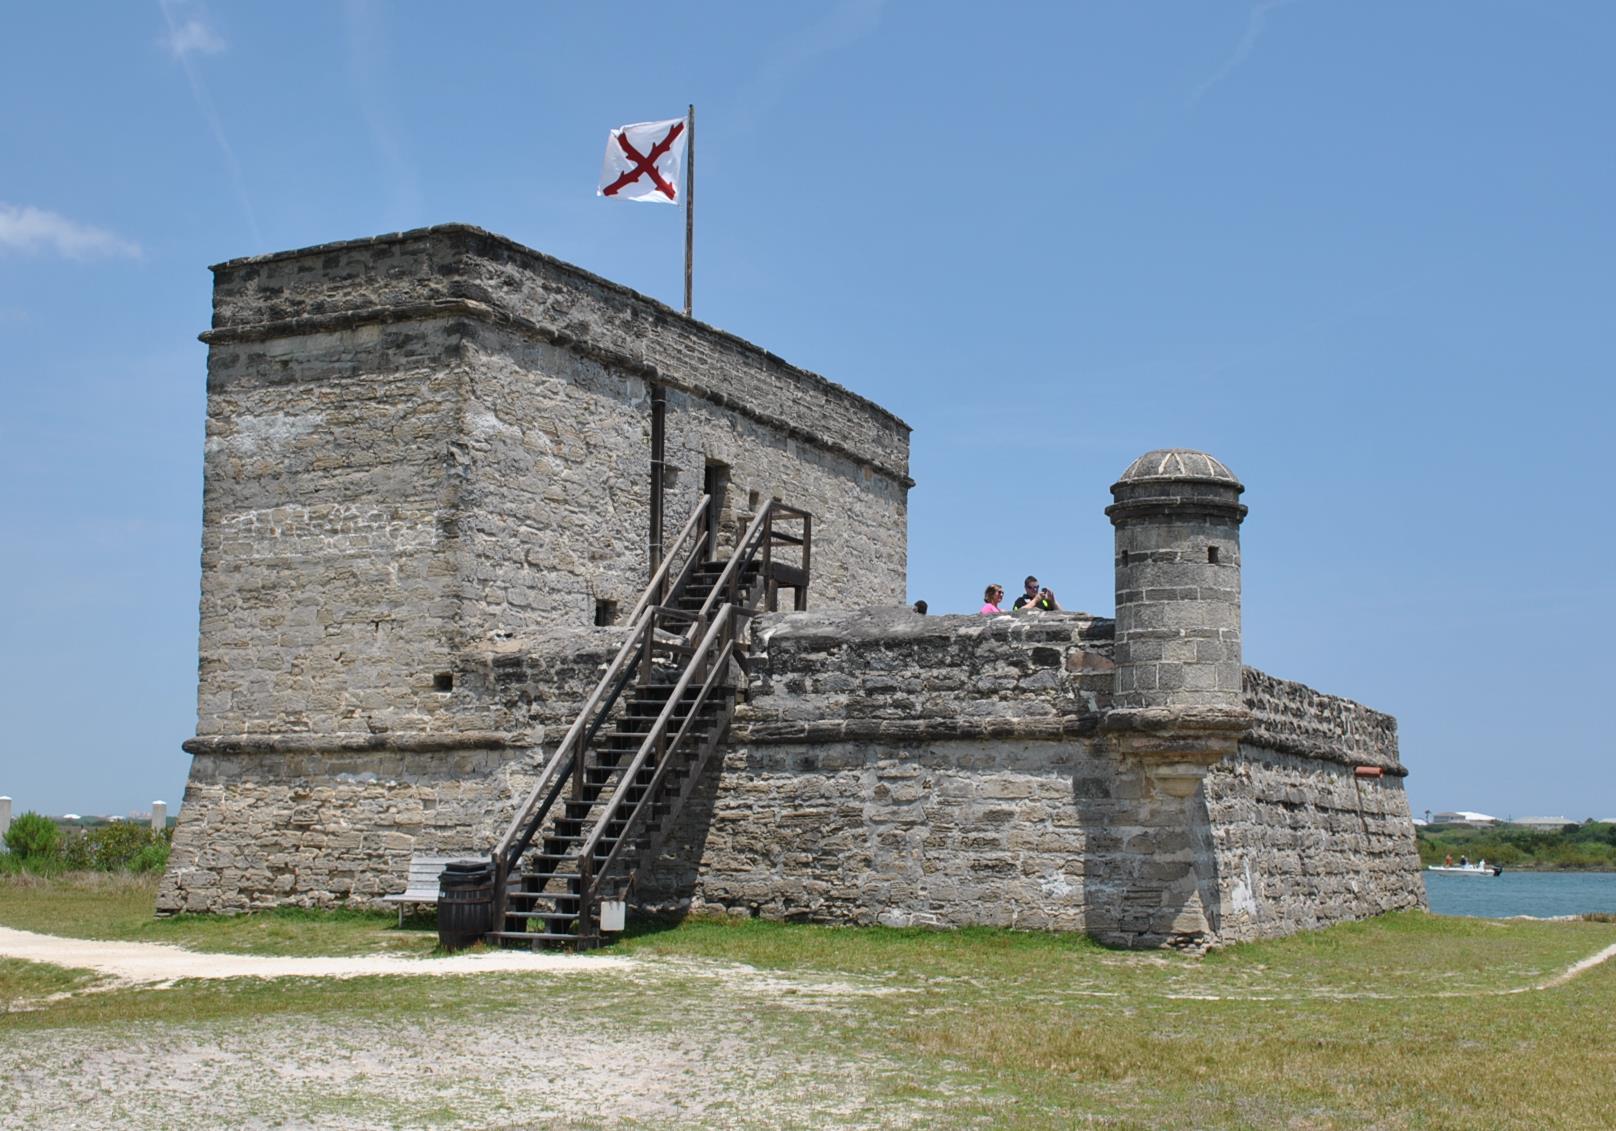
(429, 442)
(427, 461)
(1026, 826)
(316, 830)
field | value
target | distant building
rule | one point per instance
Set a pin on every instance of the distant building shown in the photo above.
(1463, 817)
(1545, 824)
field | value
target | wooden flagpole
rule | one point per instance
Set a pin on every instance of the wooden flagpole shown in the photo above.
(690, 201)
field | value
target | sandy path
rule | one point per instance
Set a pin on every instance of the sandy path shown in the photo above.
(743, 1048)
(141, 963)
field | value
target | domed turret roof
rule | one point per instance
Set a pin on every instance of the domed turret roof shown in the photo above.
(1178, 463)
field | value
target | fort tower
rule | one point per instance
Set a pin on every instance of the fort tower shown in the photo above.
(1177, 516)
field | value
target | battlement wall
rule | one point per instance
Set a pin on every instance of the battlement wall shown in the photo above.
(460, 271)
(900, 769)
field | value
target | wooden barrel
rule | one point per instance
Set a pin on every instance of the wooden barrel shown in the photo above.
(465, 903)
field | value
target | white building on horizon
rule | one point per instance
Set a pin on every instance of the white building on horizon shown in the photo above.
(1462, 817)
(1545, 824)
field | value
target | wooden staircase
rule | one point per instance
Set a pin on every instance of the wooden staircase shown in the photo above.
(644, 737)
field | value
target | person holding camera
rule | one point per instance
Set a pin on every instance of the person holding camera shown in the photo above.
(1036, 598)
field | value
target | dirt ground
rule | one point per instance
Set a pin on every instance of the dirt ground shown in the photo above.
(741, 1052)
(131, 963)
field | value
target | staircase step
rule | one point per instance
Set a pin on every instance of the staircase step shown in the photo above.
(552, 901)
(532, 936)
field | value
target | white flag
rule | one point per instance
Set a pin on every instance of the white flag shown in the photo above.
(643, 162)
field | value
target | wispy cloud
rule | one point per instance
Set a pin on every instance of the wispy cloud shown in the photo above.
(192, 36)
(28, 229)
(845, 24)
(182, 16)
(1256, 21)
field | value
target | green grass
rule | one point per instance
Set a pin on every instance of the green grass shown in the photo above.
(1406, 1021)
(26, 983)
(95, 905)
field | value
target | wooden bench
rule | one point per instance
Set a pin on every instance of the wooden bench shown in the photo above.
(422, 886)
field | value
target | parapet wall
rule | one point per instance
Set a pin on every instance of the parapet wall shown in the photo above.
(1292, 718)
(950, 770)
(461, 270)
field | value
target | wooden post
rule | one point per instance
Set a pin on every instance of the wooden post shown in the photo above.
(690, 201)
(659, 441)
(807, 556)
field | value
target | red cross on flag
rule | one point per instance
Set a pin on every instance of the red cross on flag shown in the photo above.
(643, 162)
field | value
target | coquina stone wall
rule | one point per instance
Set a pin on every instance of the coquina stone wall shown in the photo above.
(885, 768)
(428, 472)
(424, 446)
(333, 820)
(950, 770)
(424, 442)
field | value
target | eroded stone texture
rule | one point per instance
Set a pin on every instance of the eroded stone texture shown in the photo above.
(946, 770)
(425, 446)
(428, 461)
(428, 442)
(319, 829)
(1304, 842)
(886, 768)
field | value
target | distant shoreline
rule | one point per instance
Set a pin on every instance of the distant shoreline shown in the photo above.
(1588, 847)
(1537, 871)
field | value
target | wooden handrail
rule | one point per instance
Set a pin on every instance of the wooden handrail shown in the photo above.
(707, 644)
(551, 767)
(566, 759)
(668, 555)
(738, 560)
(657, 734)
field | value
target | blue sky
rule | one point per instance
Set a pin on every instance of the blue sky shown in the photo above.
(1363, 252)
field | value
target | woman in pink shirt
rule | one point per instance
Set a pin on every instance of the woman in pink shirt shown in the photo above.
(992, 595)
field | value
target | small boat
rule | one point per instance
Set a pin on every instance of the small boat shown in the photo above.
(1480, 868)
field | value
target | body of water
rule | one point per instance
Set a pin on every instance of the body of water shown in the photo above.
(1540, 894)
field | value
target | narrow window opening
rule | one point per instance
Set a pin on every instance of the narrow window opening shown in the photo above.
(443, 681)
(605, 612)
(1212, 554)
(715, 484)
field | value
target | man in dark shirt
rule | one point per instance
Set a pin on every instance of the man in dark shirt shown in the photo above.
(1034, 598)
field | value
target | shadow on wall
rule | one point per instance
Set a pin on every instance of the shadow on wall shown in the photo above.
(669, 884)
(1151, 875)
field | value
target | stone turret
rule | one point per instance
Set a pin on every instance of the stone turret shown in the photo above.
(1177, 516)
(1178, 706)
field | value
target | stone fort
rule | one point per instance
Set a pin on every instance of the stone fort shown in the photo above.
(493, 559)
